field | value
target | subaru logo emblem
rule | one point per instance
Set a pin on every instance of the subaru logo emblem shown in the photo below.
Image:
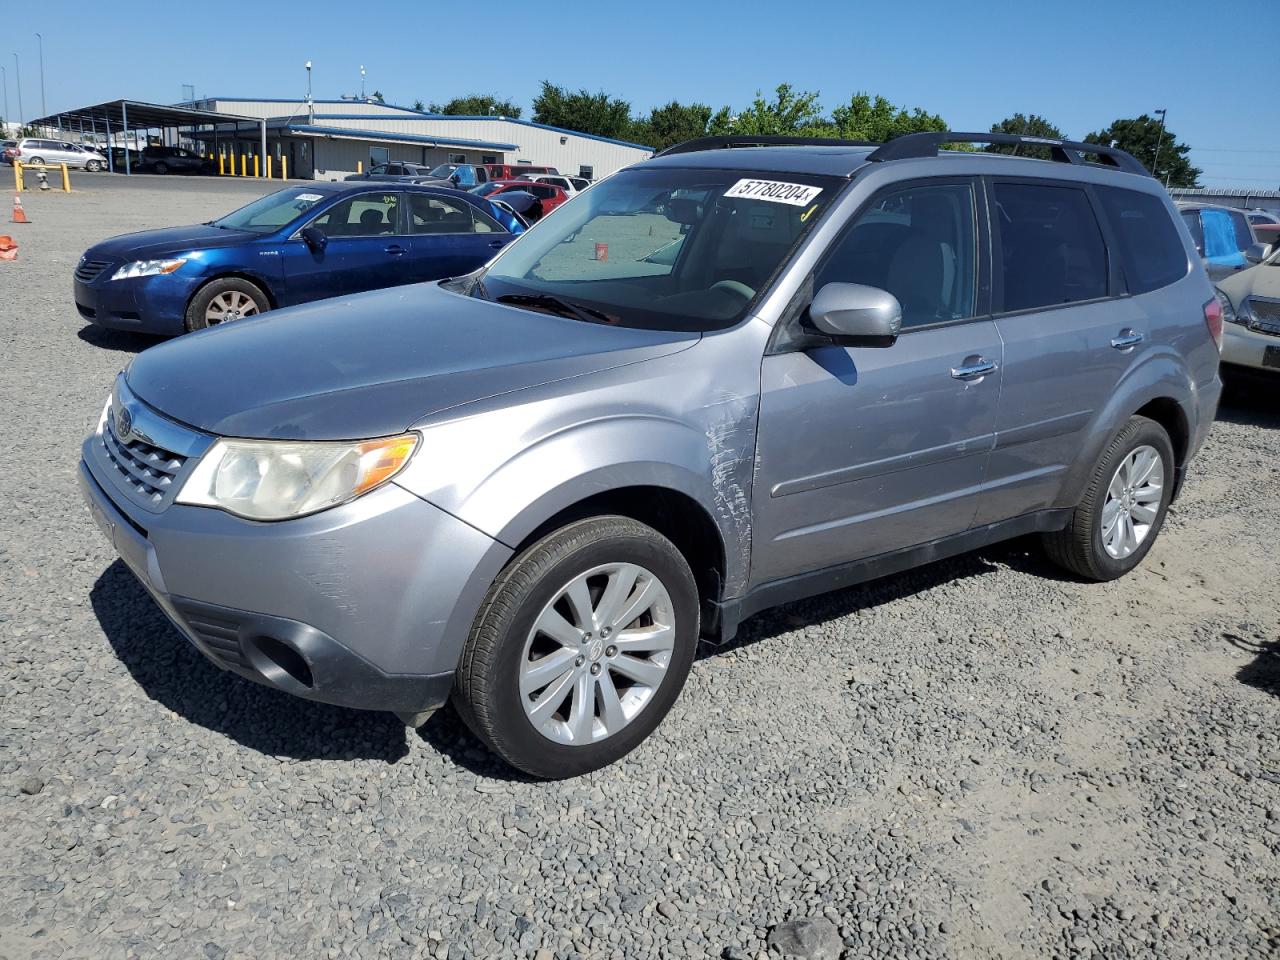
(124, 424)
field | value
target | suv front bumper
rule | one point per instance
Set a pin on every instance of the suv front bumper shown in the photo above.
(366, 605)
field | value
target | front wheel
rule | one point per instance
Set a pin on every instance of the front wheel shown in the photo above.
(1123, 508)
(224, 301)
(93, 166)
(580, 647)
(161, 168)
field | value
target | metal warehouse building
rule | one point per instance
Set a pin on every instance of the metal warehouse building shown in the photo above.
(329, 139)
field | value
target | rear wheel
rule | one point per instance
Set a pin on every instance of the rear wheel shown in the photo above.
(161, 167)
(580, 648)
(36, 162)
(1123, 508)
(224, 301)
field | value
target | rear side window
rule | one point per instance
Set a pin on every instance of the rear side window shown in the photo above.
(1244, 233)
(1150, 248)
(1222, 238)
(1051, 247)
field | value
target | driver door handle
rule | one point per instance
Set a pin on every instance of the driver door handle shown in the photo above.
(497, 244)
(974, 368)
(395, 249)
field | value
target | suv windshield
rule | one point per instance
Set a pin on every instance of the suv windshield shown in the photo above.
(664, 249)
(443, 170)
(271, 212)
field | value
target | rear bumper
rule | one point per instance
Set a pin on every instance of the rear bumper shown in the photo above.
(1242, 347)
(366, 607)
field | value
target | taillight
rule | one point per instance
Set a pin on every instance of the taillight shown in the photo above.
(1213, 320)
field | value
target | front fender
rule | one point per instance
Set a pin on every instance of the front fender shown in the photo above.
(507, 474)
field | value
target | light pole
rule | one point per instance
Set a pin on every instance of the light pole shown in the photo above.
(17, 75)
(43, 109)
(1159, 139)
(4, 75)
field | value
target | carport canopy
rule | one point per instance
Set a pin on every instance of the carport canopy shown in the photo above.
(121, 116)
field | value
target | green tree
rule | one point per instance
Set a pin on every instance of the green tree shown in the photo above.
(674, 123)
(582, 110)
(866, 117)
(419, 106)
(376, 96)
(1140, 136)
(1025, 126)
(478, 105)
(788, 113)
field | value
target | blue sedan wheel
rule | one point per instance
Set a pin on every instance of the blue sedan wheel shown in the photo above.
(225, 301)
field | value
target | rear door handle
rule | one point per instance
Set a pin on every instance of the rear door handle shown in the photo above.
(395, 249)
(497, 244)
(973, 368)
(1127, 340)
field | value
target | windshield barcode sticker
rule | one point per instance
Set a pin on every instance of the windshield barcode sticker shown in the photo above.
(309, 197)
(796, 194)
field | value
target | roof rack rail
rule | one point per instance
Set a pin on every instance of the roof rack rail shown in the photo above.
(911, 145)
(721, 143)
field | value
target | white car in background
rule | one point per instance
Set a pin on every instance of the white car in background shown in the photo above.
(35, 151)
(570, 185)
(1251, 306)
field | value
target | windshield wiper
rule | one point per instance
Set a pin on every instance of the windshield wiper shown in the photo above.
(566, 308)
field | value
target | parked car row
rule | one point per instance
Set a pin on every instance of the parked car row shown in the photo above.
(36, 151)
(468, 176)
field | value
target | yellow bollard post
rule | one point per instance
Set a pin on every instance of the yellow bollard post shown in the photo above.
(17, 176)
(244, 165)
(66, 179)
(268, 166)
(284, 168)
(221, 164)
(359, 166)
(255, 166)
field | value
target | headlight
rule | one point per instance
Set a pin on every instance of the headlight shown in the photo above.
(277, 480)
(146, 268)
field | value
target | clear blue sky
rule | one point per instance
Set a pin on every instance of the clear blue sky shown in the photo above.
(1080, 64)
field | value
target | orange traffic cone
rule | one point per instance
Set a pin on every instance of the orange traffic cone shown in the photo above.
(8, 247)
(19, 215)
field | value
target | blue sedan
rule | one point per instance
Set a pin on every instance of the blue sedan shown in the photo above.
(295, 245)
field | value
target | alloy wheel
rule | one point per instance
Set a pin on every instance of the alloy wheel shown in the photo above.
(1133, 502)
(597, 654)
(230, 305)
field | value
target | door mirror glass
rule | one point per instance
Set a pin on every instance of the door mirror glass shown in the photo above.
(315, 238)
(856, 315)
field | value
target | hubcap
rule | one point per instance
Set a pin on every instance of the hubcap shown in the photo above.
(1133, 502)
(575, 687)
(228, 306)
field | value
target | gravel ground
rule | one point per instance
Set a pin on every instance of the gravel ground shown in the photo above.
(976, 759)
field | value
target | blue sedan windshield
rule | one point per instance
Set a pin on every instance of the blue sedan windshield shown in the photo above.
(270, 213)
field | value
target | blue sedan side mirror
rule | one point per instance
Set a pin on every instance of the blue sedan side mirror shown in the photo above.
(315, 238)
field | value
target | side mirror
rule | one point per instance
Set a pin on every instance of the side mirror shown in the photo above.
(1256, 252)
(454, 178)
(855, 315)
(315, 239)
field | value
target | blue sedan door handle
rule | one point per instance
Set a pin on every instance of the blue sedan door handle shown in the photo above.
(395, 249)
(497, 244)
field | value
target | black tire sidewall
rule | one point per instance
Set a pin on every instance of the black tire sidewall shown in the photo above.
(1143, 433)
(161, 168)
(526, 747)
(195, 318)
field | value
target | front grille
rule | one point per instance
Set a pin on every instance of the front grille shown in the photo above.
(1265, 316)
(220, 637)
(149, 471)
(89, 270)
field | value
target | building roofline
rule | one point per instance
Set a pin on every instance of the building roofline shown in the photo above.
(439, 116)
(348, 134)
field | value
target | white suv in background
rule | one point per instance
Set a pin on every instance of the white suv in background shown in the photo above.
(38, 150)
(570, 185)
(1251, 307)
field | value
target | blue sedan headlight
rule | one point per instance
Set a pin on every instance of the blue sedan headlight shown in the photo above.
(146, 268)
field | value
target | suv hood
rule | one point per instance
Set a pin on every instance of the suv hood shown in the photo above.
(151, 244)
(373, 365)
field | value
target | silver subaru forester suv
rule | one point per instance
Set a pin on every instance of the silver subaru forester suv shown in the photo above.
(725, 378)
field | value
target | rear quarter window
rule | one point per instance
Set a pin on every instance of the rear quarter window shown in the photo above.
(1151, 252)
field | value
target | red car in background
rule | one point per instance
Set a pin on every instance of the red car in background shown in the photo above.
(548, 196)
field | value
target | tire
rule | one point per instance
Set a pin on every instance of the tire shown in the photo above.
(1091, 545)
(499, 696)
(161, 167)
(36, 162)
(93, 166)
(237, 298)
